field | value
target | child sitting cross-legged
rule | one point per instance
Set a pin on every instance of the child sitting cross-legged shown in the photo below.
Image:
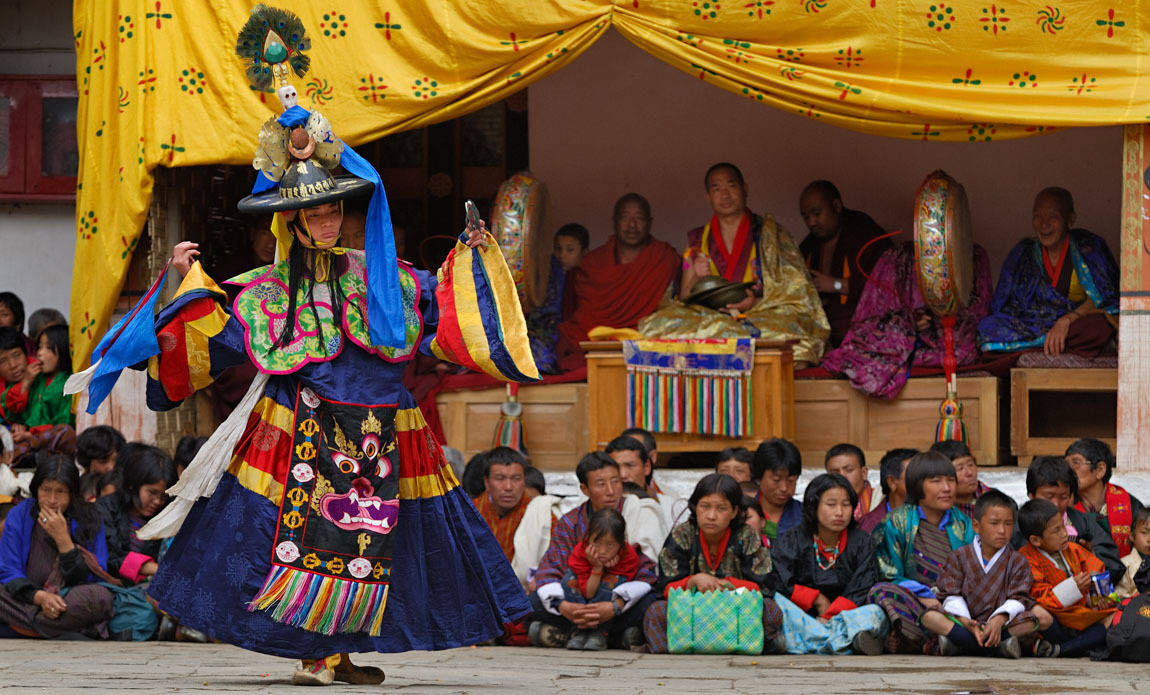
(1063, 583)
(597, 564)
(1140, 539)
(985, 587)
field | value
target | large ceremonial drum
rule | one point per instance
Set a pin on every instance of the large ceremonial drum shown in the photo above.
(943, 244)
(519, 223)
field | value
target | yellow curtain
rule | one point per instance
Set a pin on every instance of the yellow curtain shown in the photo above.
(160, 84)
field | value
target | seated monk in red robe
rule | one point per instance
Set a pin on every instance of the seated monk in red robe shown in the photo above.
(618, 283)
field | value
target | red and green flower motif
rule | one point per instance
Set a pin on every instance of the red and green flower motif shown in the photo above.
(1050, 20)
(981, 132)
(941, 17)
(424, 88)
(968, 80)
(994, 19)
(1082, 83)
(737, 51)
(847, 90)
(372, 88)
(388, 26)
(848, 57)
(759, 8)
(159, 15)
(707, 9)
(334, 24)
(813, 6)
(192, 81)
(126, 28)
(1023, 79)
(147, 80)
(753, 93)
(129, 246)
(791, 55)
(1110, 23)
(88, 224)
(513, 42)
(171, 148)
(319, 91)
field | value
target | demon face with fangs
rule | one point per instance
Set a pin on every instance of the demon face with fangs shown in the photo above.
(359, 509)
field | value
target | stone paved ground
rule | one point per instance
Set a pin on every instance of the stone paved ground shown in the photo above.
(89, 667)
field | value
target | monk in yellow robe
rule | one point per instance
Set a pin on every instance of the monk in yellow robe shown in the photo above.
(741, 246)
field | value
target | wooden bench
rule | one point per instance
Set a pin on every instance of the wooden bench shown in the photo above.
(829, 412)
(554, 421)
(1051, 408)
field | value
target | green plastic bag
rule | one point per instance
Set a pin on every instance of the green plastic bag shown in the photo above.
(715, 622)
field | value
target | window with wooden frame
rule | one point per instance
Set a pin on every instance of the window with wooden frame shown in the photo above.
(39, 153)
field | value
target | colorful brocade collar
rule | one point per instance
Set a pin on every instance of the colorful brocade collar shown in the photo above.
(261, 307)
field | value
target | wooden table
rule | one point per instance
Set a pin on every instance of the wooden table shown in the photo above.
(772, 396)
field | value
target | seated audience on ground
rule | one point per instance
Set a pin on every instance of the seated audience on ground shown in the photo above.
(617, 283)
(737, 462)
(893, 330)
(12, 316)
(598, 564)
(970, 488)
(146, 473)
(568, 247)
(472, 479)
(1063, 584)
(987, 609)
(41, 319)
(1050, 478)
(186, 450)
(7, 450)
(635, 467)
(849, 461)
(740, 246)
(648, 440)
(553, 617)
(778, 466)
(912, 546)
(755, 517)
(33, 404)
(106, 484)
(1057, 290)
(824, 569)
(534, 481)
(1140, 540)
(839, 251)
(7, 505)
(53, 544)
(503, 502)
(892, 479)
(96, 451)
(1107, 503)
(714, 550)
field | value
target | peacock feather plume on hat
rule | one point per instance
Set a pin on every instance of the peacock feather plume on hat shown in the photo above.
(271, 42)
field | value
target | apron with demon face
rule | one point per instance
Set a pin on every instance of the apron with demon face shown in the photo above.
(339, 508)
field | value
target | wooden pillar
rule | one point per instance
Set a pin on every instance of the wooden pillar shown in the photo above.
(1134, 322)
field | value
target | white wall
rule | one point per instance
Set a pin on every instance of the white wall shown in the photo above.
(36, 251)
(37, 239)
(618, 120)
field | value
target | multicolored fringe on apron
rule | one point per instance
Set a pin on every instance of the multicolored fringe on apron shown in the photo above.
(690, 386)
(331, 562)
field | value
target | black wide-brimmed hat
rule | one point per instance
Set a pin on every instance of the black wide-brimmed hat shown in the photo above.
(306, 184)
